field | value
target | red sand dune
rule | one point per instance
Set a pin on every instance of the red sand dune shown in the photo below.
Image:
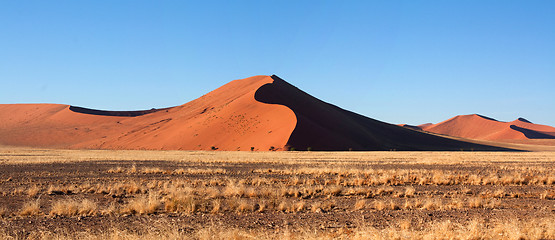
(228, 118)
(479, 127)
(261, 112)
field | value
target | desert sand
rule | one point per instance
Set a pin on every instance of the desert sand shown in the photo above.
(228, 118)
(480, 127)
(259, 113)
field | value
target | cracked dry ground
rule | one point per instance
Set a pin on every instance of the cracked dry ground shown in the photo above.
(96, 194)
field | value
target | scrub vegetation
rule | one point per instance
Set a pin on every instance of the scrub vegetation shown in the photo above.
(93, 194)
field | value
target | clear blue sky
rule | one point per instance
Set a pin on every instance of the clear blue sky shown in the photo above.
(395, 61)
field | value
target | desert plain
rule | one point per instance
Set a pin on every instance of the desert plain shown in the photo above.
(142, 194)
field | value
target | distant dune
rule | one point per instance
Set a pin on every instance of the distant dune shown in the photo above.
(259, 113)
(418, 128)
(480, 127)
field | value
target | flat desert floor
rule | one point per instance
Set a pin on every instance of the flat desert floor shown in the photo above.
(101, 194)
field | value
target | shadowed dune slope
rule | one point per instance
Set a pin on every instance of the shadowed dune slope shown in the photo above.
(418, 128)
(479, 127)
(323, 126)
(228, 118)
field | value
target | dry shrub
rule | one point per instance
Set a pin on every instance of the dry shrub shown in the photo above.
(181, 202)
(216, 206)
(466, 191)
(88, 207)
(67, 207)
(379, 205)
(33, 191)
(234, 189)
(58, 190)
(180, 171)
(133, 169)
(116, 170)
(110, 210)
(284, 206)
(474, 179)
(382, 205)
(456, 203)
(299, 206)
(30, 208)
(491, 179)
(360, 204)
(499, 193)
(432, 204)
(295, 180)
(333, 190)
(393, 206)
(120, 189)
(316, 207)
(412, 204)
(142, 205)
(206, 171)
(4, 212)
(409, 191)
(328, 205)
(475, 202)
(211, 192)
(266, 192)
(441, 178)
(404, 224)
(71, 207)
(251, 192)
(548, 194)
(244, 206)
(262, 206)
(384, 190)
(155, 170)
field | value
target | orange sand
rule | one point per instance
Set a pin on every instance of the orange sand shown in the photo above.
(479, 127)
(228, 118)
(261, 112)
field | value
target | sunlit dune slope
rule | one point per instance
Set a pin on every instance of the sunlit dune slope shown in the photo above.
(228, 118)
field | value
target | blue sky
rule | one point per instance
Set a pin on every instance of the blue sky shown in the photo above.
(395, 61)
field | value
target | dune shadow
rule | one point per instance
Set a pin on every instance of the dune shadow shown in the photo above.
(488, 118)
(323, 126)
(523, 120)
(531, 134)
(113, 113)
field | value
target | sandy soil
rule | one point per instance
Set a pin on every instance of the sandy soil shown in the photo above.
(269, 192)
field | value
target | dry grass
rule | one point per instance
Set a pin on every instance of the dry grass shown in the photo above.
(71, 207)
(403, 229)
(30, 208)
(409, 191)
(142, 205)
(4, 212)
(322, 189)
(33, 191)
(360, 204)
(24, 155)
